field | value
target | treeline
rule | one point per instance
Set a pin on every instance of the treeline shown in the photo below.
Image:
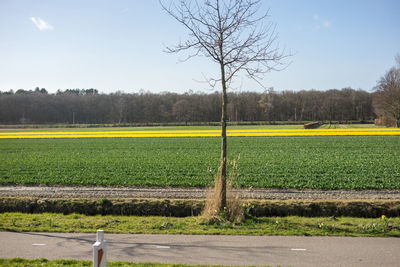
(88, 106)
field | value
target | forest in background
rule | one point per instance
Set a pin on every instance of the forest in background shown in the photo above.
(88, 106)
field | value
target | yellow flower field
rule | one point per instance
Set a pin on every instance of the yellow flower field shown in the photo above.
(203, 133)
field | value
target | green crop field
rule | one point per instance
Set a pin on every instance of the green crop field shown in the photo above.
(334, 162)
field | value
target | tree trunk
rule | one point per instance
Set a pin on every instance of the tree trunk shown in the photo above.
(221, 185)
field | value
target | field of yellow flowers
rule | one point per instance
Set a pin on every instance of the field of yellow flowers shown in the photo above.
(201, 133)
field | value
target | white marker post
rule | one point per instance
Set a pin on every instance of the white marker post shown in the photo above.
(99, 250)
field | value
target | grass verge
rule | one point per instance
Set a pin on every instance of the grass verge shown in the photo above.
(82, 263)
(316, 226)
(187, 207)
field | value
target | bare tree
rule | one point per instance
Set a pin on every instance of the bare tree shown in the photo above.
(234, 36)
(387, 99)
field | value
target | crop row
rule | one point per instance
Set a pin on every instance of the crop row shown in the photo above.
(329, 162)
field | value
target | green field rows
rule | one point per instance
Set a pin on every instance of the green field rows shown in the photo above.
(337, 162)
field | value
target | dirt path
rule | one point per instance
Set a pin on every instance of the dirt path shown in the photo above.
(189, 193)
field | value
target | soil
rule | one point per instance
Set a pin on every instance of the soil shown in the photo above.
(191, 193)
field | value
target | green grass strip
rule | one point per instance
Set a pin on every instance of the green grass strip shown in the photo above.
(316, 226)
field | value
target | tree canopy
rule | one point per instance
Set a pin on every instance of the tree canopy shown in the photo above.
(387, 98)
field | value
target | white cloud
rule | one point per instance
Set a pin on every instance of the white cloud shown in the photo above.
(41, 24)
(320, 23)
(327, 24)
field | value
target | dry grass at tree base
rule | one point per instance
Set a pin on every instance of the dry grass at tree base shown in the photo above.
(234, 211)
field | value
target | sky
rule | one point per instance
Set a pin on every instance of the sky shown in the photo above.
(118, 45)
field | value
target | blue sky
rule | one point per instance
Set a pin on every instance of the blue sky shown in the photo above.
(118, 45)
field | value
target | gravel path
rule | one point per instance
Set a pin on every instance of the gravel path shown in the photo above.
(189, 193)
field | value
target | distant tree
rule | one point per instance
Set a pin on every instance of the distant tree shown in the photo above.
(387, 98)
(232, 35)
(180, 110)
(266, 103)
(40, 91)
(91, 91)
(72, 91)
(22, 91)
(9, 92)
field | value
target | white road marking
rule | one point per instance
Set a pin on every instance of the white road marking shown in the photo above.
(163, 247)
(38, 244)
(298, 249)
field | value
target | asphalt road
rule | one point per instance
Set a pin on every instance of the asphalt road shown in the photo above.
(200, 249)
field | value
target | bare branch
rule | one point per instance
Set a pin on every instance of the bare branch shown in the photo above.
(231, 33)
(210, 81)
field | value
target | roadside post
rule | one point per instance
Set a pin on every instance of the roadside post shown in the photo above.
(99, 250)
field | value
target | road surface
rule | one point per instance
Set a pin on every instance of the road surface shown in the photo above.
(200, 249)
